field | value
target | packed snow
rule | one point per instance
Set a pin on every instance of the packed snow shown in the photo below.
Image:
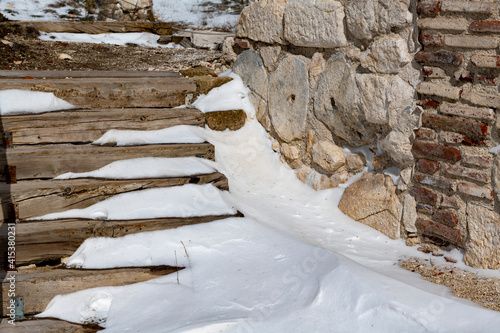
(14, 101)
(294, 263)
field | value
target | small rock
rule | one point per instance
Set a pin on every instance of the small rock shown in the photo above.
(276, 145)
(222, 120)
(355, 162)
(290, 152)
(386, 55)
(328, 156)
(412, 241)
(64, 56)
(448, 259)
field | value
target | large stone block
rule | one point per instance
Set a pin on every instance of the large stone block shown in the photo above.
(483, 246)
(288, 97)
(262, 21)
(372, 200)
(315, 23)
(387, 55)
(336, 101)
(367, 19)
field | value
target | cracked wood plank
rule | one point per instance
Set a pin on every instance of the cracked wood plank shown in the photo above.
(85, 126)
(37, 325)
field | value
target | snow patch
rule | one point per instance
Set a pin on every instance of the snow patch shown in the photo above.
(15, 101)
(175, 134)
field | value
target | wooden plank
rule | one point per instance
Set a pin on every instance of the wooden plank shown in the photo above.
(37, 198)
(49, 161)
(154, 92)
(37, 325)
(52, 240)
(88, 125)
(38, 286)
(96, 27)
(22, 74)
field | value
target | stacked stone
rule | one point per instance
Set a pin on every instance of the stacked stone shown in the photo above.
(456, 179)
(125, 10)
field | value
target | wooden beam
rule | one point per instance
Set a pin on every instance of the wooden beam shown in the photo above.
(22, 74)
(88, 125)
(83, 92)
(38, 286)
(37, 325)
(37, 198)
(49, 161)
(96, 27)
(52, 240)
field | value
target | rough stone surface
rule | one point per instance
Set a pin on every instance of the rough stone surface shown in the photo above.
(409, 213)
(496, 177)
(262, 21)
(222, 120)
(270, 56)
(314, 23)
(372, 200)
(355, 162)
(288, 97)
(206, 83)
(328, 156)
(398, 146)
(290, 152)
(367, 19)
(250, 67)
(483, 245)
(386, 55)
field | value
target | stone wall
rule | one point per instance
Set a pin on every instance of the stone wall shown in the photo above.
(121, 10)
(456, 181)
(335, 83)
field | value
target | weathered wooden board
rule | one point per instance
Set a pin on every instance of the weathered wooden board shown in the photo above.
(38, 286)
(22, 74)
(88, 125)
(36, 325)
(51, 240)
(49, 161)
(112, 92)
(97, 27)
(37, 198)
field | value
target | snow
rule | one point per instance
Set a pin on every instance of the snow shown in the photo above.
(294, 263)
(137, 38)
(148, 167)
(14, 101)
(495, 150)
(181, 201)
(175, 134)
(31, 10)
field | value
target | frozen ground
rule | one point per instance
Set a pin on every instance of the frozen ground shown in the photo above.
(294, 263)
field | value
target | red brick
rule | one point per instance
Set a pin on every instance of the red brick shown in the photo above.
(449, 202)
(463, 75)
(471, 42)
(424, 195)
(474, 130)
(434, 181)
(478, 160)
(422, 149)
(462, 110)
(486, 80)
(434, 72)
(426, 134)
(471, 174)
(485, 26)
(443, 23)
(474, 96)
(425, 209)
(440, 230)
(440, 90)
(428, 7)
(476, 7)
(446, 217)
(428, 103)
(443, 57)
(427, 166)
(475, 191)
(431, 40)
(486, 60)
(456, 138)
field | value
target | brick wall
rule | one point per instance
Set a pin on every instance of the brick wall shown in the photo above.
(460, 97)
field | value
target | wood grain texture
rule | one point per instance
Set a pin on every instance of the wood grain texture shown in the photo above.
(88, 125)
(38, 286)
(36, 325)
(49, 161)
(111, 92)
(22, 74)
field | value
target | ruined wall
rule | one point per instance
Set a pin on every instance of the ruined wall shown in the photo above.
(121, 10)
(456, 178)
(330, 79)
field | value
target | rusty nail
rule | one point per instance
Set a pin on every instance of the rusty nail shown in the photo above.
(13, 213)
(7, 139)
(10, 174)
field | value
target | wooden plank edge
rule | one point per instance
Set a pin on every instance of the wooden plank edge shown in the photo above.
(44, 325)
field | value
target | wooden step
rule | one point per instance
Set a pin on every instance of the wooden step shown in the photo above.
(49, 161)
(37, 198)
(39, 285)
(92, 90)
(36, 325)
(88, 125)
(38, 242)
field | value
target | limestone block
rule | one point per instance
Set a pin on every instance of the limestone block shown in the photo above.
(386, 55)
(290, 152)
(372, 200)
(355, 162)
(262, 21)
(367, 19)
(288, 97)
(270, 56)
(409, 213)
(482, 249)
(336, 101)
(328, 156)
(314, 23)
(397, 145)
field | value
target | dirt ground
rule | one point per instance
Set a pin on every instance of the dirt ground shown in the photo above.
(21, 50)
